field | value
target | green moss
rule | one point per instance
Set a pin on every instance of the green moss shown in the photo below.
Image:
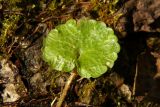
(9, 25)
(106, 10)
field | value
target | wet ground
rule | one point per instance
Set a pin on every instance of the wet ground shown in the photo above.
(26, 80)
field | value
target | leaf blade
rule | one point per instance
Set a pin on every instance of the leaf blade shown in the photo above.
(87, 45)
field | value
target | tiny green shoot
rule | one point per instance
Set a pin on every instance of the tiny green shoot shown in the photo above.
(85, 47)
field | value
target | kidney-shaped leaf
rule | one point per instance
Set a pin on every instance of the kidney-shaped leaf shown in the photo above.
(87, 46)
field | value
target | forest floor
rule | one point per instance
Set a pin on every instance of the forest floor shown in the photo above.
(27, 81)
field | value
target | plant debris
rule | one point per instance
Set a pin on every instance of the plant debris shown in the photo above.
(26, 80)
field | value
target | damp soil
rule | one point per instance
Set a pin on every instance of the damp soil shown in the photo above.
(27, 81)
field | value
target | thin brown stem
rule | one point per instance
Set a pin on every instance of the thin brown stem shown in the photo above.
(135, 80)
(66, 88)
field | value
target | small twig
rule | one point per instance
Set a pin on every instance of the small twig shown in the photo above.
(83, 104)
(53, 17)
(13, 12)
(66, 88)
(52, 104)
(135, 79)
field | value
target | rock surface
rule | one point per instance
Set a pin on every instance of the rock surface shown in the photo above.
(14, 88)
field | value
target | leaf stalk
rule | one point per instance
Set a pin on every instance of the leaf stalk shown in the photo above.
(66, 88)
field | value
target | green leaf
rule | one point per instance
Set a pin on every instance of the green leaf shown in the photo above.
(87, 45)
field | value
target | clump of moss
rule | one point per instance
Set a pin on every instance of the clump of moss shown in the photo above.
(106, 10)
(9, 23)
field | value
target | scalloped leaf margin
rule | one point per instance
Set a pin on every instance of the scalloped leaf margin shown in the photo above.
(85, 45)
